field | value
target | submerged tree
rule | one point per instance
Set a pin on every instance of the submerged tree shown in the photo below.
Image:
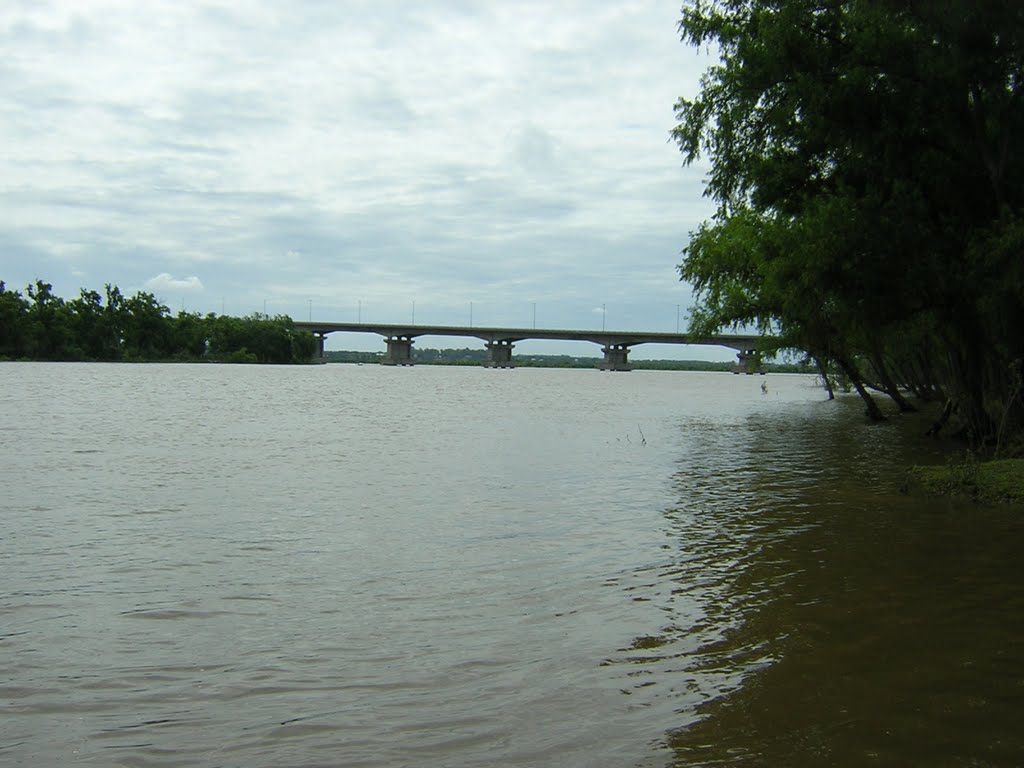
(866, 161)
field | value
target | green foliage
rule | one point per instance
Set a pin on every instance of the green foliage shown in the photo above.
(867, 159)
(47, 326)
(112, 327)
(13, 323)
(267, 339)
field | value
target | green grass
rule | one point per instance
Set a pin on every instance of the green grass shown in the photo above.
(990, 481)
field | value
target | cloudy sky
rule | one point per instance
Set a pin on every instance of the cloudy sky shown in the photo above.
(344, 160)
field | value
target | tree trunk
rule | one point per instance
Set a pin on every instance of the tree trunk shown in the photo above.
(888, 385)
(873, 411)
(966, 365)
(947, 411)
(823, 372)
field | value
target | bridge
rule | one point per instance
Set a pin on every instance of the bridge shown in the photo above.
(500, 341)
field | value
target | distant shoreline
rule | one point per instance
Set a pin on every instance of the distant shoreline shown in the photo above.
(474, 357)
(373, 358)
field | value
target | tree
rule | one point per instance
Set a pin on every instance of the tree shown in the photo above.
(190, 333)
(13, 323)
(147, 328)
(86, 316)
(866, 161)
(48, 323)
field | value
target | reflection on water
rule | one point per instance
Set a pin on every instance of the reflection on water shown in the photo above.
(839, 622)
(340, 565)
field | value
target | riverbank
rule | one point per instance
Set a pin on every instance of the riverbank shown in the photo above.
(997, 481)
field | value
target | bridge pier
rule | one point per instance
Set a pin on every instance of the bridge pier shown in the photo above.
(500, 354)
(748, 362)
(320, 339)
(399, 351)
(615, 358)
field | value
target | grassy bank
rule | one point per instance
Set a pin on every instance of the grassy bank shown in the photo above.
(1000, 481)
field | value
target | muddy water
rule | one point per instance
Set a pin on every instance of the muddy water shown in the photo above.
(361, 566)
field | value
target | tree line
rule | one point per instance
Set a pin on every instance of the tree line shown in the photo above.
(867, 164)
(39, 325)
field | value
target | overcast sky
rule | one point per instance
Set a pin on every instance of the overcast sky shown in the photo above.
(347, 160)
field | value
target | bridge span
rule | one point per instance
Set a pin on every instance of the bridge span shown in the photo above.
(500, 341)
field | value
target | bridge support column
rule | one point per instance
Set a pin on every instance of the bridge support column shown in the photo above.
(500, 354)
(748, 362)
(615, 358)
(318, 356)
(399, 351)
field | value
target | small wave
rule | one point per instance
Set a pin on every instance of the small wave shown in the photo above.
(170, 614)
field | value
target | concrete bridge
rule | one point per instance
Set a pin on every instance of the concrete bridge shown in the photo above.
(500, 341)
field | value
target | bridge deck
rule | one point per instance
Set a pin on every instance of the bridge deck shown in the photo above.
(607, 338)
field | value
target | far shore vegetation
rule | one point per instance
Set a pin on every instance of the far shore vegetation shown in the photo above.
(476, 357)
(40, 325)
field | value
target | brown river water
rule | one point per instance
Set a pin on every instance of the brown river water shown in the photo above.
(363, 566)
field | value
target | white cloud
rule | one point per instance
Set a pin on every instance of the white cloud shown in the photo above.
(164, 282)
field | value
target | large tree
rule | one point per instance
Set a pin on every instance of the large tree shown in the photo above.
(867, 161)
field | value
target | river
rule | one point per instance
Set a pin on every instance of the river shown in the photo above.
(340, 565)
